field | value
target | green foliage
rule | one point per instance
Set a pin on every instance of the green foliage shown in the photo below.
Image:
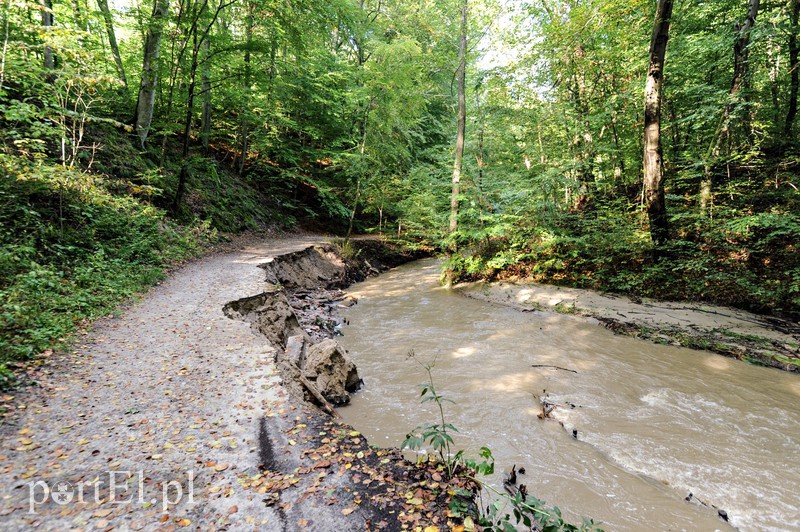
(437, 435)
(70, 251)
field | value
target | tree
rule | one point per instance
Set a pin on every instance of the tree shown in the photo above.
(741, 54)
(794, 68)
(149, 80)
(199, 36)
(653, 153)
(46, 7)
(461, 75)
(112, 39)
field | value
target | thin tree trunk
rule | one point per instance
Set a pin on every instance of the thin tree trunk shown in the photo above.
(6, 8)
(205, 91)
(740, 66)
(461, 74)
(47, 23)
(794, 66)
(187, 124)
(149, 82)
(198, 40)
(653, 161)
(112, 39)
(243, 125)
(77, 16)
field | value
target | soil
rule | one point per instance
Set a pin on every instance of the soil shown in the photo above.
(171, 415)
(731, 332)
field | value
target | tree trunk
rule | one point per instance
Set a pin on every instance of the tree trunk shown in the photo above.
(77, 16)
(112, 39)
(794, 67)
(187, 127)
(243, 125)
(461, 74)
(198, 41)
(653, 162)
(149, 82)
(740, 60)
(47, 23)
(205, 91)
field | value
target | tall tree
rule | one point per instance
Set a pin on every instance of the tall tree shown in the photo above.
(205, 92)
(149, 81)
(653, 153)
(199, 36)
(108, 20)
(46, 7)
(794, 67)
(741, 54)
(461, 75)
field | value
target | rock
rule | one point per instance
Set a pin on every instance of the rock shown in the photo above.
(332, 371)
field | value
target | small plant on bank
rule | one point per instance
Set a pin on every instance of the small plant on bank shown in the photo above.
(507, 512)
(347, 249)
(437, 434)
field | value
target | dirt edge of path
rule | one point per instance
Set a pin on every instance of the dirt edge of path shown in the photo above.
(308, 456)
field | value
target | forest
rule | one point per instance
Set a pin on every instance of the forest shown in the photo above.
(639, 147)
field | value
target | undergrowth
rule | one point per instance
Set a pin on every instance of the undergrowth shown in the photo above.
(71, 250)
(744, 260)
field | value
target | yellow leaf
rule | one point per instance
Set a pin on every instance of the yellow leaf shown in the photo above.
(184, 522)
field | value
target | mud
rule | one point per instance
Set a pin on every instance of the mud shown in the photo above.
(299, 314)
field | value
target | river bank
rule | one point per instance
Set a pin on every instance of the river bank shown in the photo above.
(727, 331)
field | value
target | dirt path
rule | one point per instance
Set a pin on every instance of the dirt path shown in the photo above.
(154, 421)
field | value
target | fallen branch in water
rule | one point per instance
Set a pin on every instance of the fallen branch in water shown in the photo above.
(554, 367)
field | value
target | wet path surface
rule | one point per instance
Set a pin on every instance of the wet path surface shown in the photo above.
(654, 422)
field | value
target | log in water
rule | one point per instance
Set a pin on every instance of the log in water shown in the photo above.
(653, 422)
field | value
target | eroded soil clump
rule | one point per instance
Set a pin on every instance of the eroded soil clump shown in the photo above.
(299, 314)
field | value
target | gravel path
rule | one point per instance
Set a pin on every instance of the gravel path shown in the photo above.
(154, 421)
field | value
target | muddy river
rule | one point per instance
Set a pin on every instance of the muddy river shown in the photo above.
(654, 423)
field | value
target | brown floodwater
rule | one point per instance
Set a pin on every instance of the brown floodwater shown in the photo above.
(654, 423)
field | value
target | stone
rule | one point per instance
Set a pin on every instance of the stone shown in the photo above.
(332, 371)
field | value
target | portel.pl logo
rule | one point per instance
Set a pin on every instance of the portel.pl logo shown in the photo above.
(115, 487)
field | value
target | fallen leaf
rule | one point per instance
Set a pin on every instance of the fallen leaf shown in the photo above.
(233, 509)
(184, 522)
(103, 513)
(348, 511)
